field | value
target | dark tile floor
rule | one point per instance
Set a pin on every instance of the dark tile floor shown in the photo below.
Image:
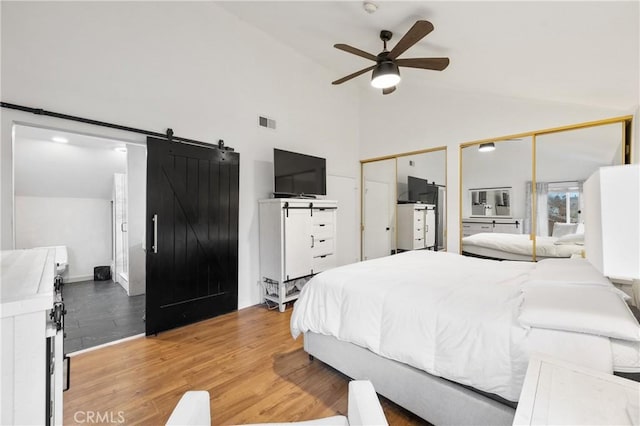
(99, 312)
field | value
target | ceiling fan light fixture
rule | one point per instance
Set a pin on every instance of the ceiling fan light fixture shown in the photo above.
(487, 147)
(385, 74)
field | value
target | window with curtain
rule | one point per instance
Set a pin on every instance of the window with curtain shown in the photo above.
(563, 202)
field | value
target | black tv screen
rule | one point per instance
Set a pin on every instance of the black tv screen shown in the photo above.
(298, 174)
(420, 190)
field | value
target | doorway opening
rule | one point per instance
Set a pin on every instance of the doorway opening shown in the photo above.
(86, 196)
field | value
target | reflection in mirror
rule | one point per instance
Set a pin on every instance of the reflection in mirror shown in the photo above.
(564, 160)
(422, 200)
(491, 202)
(378, 208)
(494, 200)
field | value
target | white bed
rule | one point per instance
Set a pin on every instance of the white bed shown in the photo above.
(447, 315)
(517, 247)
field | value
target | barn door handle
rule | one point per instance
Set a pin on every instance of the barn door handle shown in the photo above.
(154, 247)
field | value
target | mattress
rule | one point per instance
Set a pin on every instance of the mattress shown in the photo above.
(517, 246)
(626, 356)
(449, 315)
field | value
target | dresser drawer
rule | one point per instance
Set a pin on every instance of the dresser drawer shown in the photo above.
(323, 230)
(322, 216)
(322, 246)
(508, 228)
(323, 263)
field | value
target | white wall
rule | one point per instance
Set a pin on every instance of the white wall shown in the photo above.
(136, 213)
(415, 118)
(82, 224)
(47, 169)
(190, 66)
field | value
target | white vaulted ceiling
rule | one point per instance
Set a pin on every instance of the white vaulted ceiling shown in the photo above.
(578, 51)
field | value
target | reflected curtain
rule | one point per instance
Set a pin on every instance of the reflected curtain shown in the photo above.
(542, 209)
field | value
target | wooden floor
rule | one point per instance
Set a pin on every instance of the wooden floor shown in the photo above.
(247, 360)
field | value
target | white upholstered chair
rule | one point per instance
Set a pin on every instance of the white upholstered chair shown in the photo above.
(363, 409)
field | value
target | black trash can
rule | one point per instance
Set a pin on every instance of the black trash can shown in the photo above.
(101, 273)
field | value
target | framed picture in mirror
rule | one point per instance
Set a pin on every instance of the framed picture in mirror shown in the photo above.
(494, 202)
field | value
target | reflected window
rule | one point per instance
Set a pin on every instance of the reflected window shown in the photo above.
(563, 202)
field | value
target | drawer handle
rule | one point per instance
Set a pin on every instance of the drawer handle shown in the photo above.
(322, 241)
(322, 224)
(323, 256)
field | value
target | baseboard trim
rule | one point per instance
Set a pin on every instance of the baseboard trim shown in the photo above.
(78, 278)
(104, 345)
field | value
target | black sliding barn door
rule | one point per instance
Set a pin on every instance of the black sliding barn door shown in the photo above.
(192, 233)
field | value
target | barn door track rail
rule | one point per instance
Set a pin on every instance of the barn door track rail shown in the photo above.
(168, 135)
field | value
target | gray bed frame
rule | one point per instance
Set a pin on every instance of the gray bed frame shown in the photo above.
(436, 400)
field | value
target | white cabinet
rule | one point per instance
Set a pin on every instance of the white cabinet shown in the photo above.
(297, 240)
(416, 226)
(471, 226)
(31, 345)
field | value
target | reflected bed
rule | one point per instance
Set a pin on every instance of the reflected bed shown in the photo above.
(517, 247)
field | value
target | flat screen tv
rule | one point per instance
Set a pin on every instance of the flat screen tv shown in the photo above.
(421, 191)
(298, 174)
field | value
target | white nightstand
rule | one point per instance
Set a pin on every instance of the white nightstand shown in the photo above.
(559, 393)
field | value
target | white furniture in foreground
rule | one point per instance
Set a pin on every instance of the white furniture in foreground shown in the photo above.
(297, 240)
(612, 228)
(559, 393)
(363, 409)
(31, 343)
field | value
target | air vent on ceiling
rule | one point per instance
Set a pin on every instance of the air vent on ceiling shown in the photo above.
(266, 122)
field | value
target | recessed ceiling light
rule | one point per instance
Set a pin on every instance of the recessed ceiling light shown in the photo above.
(120, 149)
(60, 139)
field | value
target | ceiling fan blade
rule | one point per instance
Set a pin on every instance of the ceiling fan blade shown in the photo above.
(414, 35)
(355, 74)
(389, 90)
(355, 51)
(437, 64)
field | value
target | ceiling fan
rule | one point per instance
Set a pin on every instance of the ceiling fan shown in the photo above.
(386, 73)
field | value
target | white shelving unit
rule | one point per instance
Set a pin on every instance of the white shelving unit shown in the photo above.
(297, 240)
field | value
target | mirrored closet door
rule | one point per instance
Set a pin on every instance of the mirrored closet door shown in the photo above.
(564, 160)
(494, 198)
(534, 180)
(404, 203)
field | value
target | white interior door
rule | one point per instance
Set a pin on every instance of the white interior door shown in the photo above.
(377, 225)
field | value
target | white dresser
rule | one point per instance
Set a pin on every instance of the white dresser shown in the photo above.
(297, 240)
(32, 355)
(476, 225)
(416, 226)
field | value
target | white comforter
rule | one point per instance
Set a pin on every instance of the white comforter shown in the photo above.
(521, 244)
(450, 315)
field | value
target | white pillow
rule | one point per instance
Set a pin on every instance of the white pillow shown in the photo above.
(590, 310)
(570, 239)
(560, 229)
(569, 272)
(576, 271)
